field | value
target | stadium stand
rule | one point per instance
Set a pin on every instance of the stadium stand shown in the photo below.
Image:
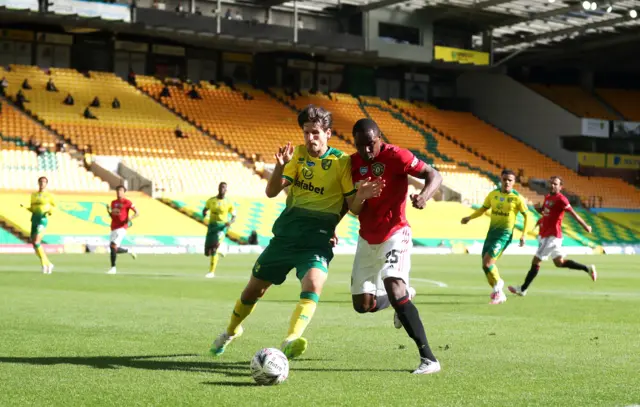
(19, 127)
(255, 126)
(574, 99)
(347, 110)
(483, 138)
(139, 127)
(20, 169)
(624, 101)
(7, 237)
(82, 218)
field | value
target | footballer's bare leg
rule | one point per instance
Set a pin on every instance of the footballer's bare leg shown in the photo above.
(408, 314)
(363, 303)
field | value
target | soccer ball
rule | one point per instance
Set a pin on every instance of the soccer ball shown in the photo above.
(269, 367)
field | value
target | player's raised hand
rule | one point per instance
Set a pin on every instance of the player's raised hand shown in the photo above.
(370, 189)
(465, 220)
(284, 154)
(588, 228)
(418, 201)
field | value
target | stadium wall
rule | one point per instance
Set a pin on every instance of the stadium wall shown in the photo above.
(416, 53)
(521, 112)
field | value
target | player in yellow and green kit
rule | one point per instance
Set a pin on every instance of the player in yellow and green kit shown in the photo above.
(222, 215)
(320, 180)
(42, 204)
(505, 204)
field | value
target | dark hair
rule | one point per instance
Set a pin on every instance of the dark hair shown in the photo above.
(222, 183)
(316, 115)
(558, 178)
(507, 172)
(365, 126)
(43, 178)
(121, 187)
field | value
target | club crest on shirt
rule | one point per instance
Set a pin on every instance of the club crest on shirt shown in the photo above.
(326, 164)
(363, 170)
(307, 173)
(377, 169)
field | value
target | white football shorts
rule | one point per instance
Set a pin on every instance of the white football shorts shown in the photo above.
(117, 236)
(549, 247)
(375, 262)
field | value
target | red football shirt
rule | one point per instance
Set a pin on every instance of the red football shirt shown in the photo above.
(120, 213)
(381, 217)
(552, 215)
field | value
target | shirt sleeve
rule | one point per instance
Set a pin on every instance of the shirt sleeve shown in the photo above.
(291, 168)
(346, 180)
(487, 202)
(566, 205)
(232, 209)
(411, 164)
(522, 205)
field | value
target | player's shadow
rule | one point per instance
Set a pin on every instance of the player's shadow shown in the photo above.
(150, 362)
(145, 362)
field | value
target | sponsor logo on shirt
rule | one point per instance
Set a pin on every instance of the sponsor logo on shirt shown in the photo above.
(308, 186)
(307, 173)
(363, 170)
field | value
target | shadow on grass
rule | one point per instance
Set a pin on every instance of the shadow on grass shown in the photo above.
(149, 362)
(231, 384)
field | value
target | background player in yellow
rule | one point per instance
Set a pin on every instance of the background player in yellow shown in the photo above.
(41, 207)
(320, 180)
(505, 204)
(221, 215)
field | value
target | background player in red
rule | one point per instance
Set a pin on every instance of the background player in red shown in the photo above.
(120, 221)
(380, 275)
(550, 237)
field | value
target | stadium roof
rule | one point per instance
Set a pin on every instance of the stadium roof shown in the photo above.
(516, 24)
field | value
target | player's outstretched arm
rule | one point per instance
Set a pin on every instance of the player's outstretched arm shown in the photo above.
(367, 189)
(525, 228)
(432, 181)
(579, 219)
(277, 183)
(26, 207)
(476, 214)
(135, 213)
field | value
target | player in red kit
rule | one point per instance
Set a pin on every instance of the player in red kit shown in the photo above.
(550, 237)
(380, 275)
(120, 221)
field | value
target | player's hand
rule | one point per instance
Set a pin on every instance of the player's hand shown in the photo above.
(588, 229)
(284, 154)
(370, 189)
(465, 220)
(226, 225)
(129, 222)
(522, 240)
(334, 240)
(418, 201)
(22, 205)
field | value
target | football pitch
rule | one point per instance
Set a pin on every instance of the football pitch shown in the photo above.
(80, 337)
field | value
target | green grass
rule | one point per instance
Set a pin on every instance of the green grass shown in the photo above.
(80, 337)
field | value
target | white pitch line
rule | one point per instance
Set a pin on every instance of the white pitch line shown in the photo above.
(434, 282)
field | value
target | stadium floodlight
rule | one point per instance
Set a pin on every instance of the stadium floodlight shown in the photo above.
(594, 6)
(586, 5)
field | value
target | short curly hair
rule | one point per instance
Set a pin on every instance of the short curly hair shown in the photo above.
(316, 115)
